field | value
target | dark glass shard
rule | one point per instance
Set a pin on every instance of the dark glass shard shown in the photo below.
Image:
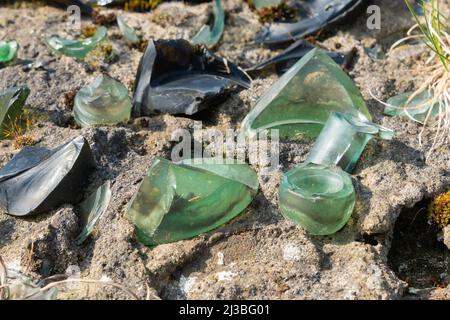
(286, 59)
(27, 158)
(84, 8)
(318, 14)
(54, 181)
(179, 78)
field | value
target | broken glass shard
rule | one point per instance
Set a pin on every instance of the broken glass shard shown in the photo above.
(77, 48)
(209, 35)
(286, 59)
(84, 8)
(417, 108)
(180, 201)
(318, 198)
(376, 52)
(56, 180)
(8, 51)
(11, 104)
(25, 159)
(179, 78)
(343, 140)
(128, 33)
(300, 102)
(22, 287)
(258, 4)
(315, 15)
(104, 101)
(92, 209)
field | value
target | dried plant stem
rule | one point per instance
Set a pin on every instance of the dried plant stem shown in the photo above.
(3, 280)
(434, 33)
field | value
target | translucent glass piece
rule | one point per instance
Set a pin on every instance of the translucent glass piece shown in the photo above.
(27, 158)
(21, 287)
(11, 104)
(181, 201)
(300, 102)
(92, 209)
(128, 33)
(258, 4)
(8, 51)
(343, 140)
(318, 198)
(77, 48)
(104, 101)
(210, 35)
(417, 108)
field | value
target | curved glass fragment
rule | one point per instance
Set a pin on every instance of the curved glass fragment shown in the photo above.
(92, 209)
(315, 15)
(22, 287)
(11, 104)
(343, 140)
(417, 108)
(286, 59)
(104, 101)
(25, 159)
(77, 48)
(318, 198)
(56, 180)
(300, 102)
(177, 77)
(258, 4)
(128, 33)
(181, 201)
(210, 35)
(8, 51)
(84, 6)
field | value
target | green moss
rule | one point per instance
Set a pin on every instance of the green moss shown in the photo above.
(439, 210)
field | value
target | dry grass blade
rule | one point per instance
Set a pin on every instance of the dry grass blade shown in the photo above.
(434, 33)
(149, 295)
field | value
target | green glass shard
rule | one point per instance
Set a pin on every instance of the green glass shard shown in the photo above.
(77, 48)
(11, 103)
(128, 33)
(92, 209)
(210, 35)
(258, 4)
(104, 101)
(375, 53)
(8, 51)
(343, 139)
(417, 108)
(318, 198)
(180, 201)
(300, 102)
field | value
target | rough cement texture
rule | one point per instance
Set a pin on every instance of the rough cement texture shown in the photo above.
(259, 255)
